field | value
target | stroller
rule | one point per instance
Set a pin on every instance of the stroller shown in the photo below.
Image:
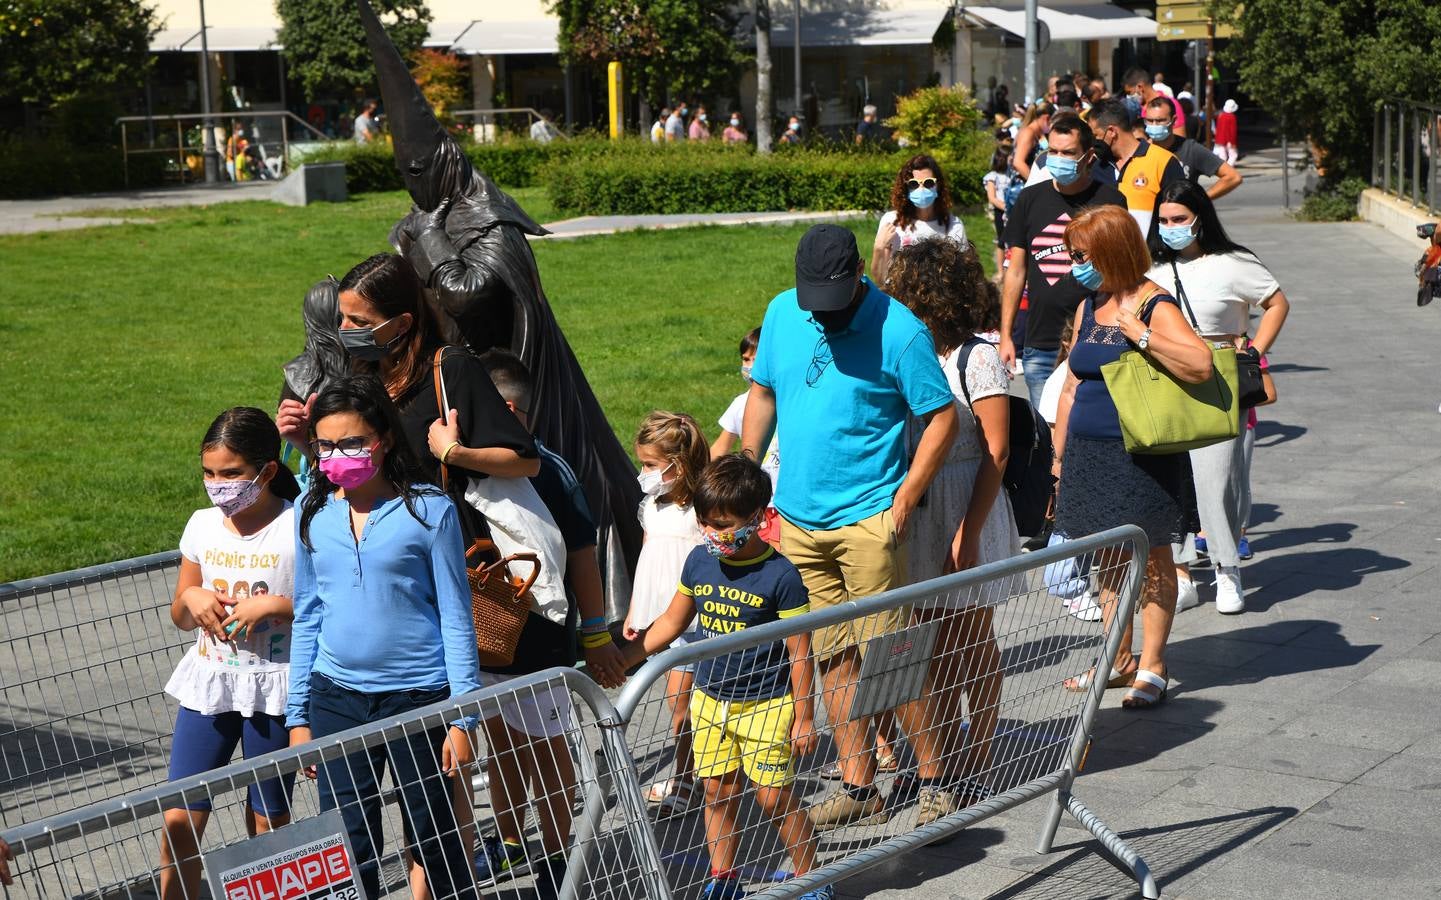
(1428, 267)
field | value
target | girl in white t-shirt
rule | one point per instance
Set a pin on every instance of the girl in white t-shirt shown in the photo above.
(920, 210)
(731, 423)
(672, 452)
(234, 590)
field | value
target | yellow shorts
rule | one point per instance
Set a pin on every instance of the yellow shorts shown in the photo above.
(754, 735)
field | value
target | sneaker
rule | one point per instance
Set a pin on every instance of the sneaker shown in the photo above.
(1187, 596)
(1229, 599)
(824, 892)
(1243, 547)
(499, 858)
(841, 809)
(831, 772)
(936, 803)
(1085, 607)
(722, 889)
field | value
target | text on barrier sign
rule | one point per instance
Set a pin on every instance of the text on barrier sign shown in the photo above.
(308, 860)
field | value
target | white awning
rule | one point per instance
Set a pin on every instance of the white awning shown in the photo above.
(445, 34)
(1071, 23)
(498, 38)
(221, 39)
(853, 28)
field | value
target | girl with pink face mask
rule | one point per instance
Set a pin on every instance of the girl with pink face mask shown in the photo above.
(232, 683)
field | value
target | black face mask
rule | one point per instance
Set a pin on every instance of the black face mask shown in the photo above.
(838, 319)
(1103, 151)
(361, 344)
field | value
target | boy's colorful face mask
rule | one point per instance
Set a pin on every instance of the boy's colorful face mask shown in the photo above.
(726, 544)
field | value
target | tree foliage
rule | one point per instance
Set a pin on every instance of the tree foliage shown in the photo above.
(54, 51)
(670, 48)
(325, 47)
(942, 120)
(1321, 66)
(443, 78)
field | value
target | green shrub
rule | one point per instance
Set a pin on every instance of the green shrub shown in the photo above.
(41, 167)
(941, 120)
(1332, 201)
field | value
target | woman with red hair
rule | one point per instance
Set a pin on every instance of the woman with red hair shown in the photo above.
(1103, 486)
(920, 210)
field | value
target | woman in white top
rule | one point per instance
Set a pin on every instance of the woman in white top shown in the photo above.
(237, 573)
(1222, 281)
(967, 519)
(920, 210)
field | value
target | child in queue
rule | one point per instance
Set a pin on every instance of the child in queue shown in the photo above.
(672, 452)
(730, 425)
(231, 683)
(382, 627)
(752, 710)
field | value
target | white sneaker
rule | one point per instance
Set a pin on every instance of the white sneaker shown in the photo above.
(1229, 599)
(1187, 597)
(1085, 607)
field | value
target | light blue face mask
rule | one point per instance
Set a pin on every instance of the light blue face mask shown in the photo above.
(1178, 237)
(1044, 144)
(923, 197)
(1063, 169)
(1087, 275)
(1158, 132)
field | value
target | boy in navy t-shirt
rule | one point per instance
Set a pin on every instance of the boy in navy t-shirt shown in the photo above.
(752, 710)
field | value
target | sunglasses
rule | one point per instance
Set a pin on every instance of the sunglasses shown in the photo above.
(1078, 256)
(913, 184)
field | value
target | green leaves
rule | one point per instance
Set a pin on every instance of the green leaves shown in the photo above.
(324, 43)
(55, 50)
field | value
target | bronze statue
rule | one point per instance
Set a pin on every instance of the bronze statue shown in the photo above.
(467, 240)
(323, 357)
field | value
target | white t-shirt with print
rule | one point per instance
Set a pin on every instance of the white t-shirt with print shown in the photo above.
(251, 674)
(732, 420)
(1221, 288)
(985, 376)
(920, 230)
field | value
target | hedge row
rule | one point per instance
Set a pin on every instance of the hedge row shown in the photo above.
(41, 168)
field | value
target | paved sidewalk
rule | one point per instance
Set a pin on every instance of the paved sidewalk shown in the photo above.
(1299, 754)
(57, 213)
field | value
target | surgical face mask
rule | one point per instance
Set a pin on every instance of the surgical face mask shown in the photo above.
(1158, 132)
(1044, 144)
(233, 495)
(746, 371)
(360, 342)
(653, 483)
(1063, 169)
(735, 123)
(726, 544)
(923, 197)
(794, 126)
(1178, 237)
(348, 472)
(1087, 275)
(702, 117)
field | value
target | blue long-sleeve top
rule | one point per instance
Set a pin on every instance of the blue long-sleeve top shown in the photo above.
(390, 612)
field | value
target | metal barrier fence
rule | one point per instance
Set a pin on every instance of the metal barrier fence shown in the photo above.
(992, 641)
(1405, 141)
(84, 658)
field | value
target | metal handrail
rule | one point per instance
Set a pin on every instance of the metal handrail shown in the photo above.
(284, 115)
(1406, 136)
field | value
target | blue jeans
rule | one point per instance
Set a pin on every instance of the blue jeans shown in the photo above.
(1037, 364)
(352, 783)
(202, 743)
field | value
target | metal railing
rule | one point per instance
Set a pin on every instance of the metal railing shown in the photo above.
(492, 117)
(980, 668)
(1406, 138)
(275, 166)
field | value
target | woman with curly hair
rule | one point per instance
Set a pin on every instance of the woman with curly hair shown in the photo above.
(966, 521)
(920, 209)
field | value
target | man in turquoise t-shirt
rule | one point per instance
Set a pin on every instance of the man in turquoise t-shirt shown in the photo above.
(840, 369)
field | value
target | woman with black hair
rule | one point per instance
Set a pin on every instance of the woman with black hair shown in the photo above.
(382, 627)
(1223, 281)
(920, 210)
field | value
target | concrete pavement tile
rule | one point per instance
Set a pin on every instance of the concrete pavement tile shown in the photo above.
(1228, 685)
(1400, 700)
(1216, 650)
(1419, 674)
(1426, 745)
(969, 883)
(1250, 875)
(1431, 649)
(1350, 726)
(1308, 758)
(1238, 788)
(1384, 809)
(1353, 849)
(1143, 777)
(1404, 772)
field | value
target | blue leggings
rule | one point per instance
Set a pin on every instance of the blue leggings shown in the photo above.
(206, 742)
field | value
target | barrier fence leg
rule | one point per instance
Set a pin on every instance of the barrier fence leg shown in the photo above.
(1118, 847)
(587, 827)
(627, 788)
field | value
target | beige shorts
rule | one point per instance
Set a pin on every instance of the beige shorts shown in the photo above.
(851, 562)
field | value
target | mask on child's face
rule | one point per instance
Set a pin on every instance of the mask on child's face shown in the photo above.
(653, 483)
(726, 544)
(746, 371)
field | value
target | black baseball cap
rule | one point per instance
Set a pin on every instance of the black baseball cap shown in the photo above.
(826, 262)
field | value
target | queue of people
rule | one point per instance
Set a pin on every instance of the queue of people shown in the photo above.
(889, 393)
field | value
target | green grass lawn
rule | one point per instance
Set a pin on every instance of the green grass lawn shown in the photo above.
(119, 345)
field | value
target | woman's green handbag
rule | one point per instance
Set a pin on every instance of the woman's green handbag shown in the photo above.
(1159, 413)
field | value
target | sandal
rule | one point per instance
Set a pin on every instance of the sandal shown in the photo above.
(680, 800)
(662, 789)
(887, 762)
(1083, 683)
(1148, 697)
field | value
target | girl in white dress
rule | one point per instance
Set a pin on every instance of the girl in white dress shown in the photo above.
(672, 452)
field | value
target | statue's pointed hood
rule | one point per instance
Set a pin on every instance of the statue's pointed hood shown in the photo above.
(414, 130)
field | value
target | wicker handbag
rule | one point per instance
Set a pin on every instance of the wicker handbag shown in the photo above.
(499, 601)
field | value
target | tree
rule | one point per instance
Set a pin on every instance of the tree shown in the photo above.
(443, 78)
(1321, 66)
(56, 52)
(670, 48)
(765, 99)
(325, 45)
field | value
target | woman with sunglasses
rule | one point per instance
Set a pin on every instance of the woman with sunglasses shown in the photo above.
(1101, 485)
(382, 628)
(920, 210)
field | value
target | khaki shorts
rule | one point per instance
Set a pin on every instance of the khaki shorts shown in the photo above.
(851, 562)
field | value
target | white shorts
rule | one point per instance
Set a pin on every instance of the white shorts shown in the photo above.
(543, 712)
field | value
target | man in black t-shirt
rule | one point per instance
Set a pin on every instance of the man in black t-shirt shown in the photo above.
(1160, 120)
(1037, 254)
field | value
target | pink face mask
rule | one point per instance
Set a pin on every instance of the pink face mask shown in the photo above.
(348, 471)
